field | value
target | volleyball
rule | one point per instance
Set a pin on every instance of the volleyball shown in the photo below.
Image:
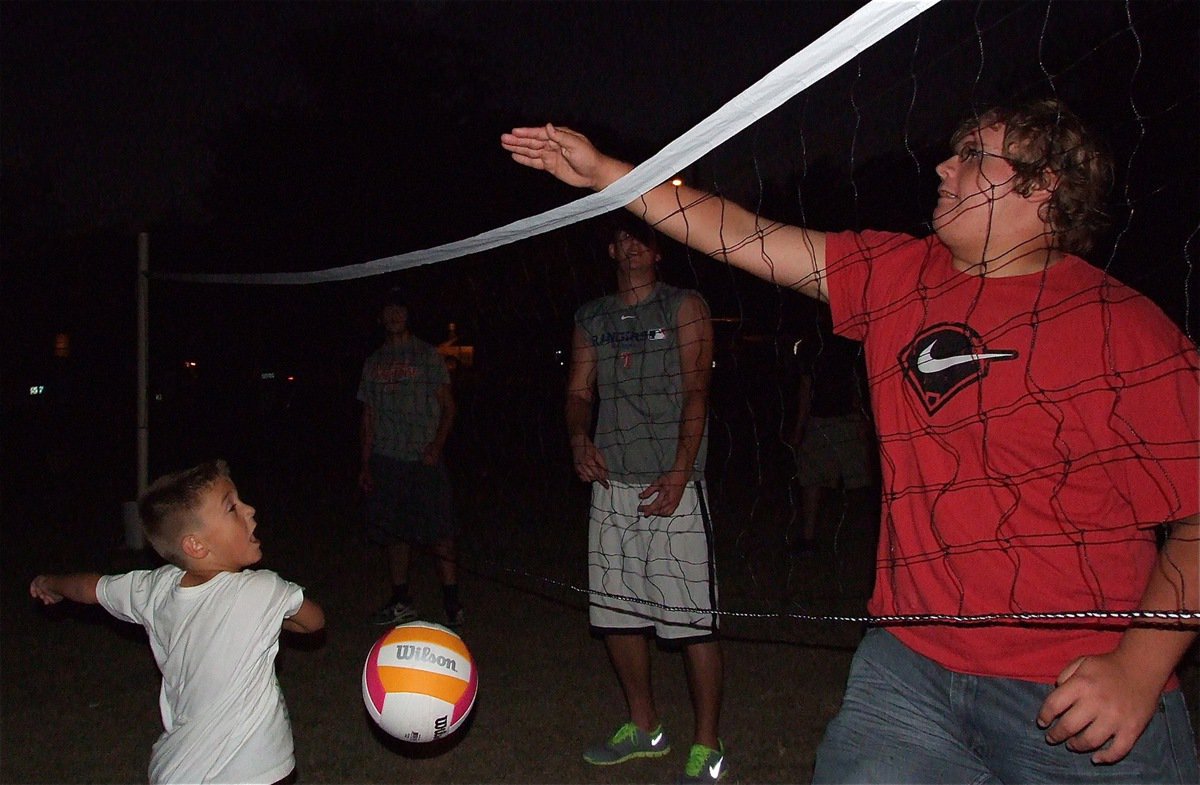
(419, 682)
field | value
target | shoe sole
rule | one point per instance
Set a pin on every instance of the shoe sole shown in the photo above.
(719, 778)
(630, 756)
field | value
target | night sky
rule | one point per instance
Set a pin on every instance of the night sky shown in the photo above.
(290, 136)
(118, 114)
(119, 102)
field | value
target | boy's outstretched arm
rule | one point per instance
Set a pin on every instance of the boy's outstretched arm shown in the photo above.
(79, 587)
(785, 255)
(1108, 699)
(309, 618)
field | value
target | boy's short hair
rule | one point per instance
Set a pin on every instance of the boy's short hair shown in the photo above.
(1046, 141)
(168, 507)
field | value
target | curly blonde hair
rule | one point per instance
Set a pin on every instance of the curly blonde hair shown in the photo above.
(1048, 147)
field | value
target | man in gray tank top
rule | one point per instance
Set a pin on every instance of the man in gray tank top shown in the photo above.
(642, 359)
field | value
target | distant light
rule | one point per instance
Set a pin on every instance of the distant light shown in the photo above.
(268, 375)
(714, 364)
(37, 389)
(62, 345)
(189, 363)
(678, 181)
(291, 378)
(158, 396)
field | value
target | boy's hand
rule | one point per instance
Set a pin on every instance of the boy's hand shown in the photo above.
(42, 589)
(1100, 703)
(566, 154)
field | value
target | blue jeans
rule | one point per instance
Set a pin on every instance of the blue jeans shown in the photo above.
(905, 719)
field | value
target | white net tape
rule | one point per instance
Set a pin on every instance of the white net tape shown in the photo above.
(847, 40)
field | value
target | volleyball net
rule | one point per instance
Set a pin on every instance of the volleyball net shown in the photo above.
(845, 135)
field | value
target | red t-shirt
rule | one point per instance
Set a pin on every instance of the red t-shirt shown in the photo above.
(1032, 429)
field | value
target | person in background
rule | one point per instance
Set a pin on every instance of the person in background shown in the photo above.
(831, 439)
(407, 412)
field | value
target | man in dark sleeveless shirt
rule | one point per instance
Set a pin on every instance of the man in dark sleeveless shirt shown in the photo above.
(646, 354)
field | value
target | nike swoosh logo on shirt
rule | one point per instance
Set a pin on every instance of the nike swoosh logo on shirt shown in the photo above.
(714, 770)
(654, 741)
(927, 363)
(628, 316)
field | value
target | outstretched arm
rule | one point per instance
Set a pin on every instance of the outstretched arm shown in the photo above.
(1111, 697)
(785, 255)
(78, 587)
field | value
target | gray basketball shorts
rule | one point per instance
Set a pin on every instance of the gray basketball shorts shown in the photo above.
(651, 573)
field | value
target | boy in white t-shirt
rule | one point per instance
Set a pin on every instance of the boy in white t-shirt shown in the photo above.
(213, 627)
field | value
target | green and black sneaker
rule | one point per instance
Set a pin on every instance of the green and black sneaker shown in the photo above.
(628, 742)
(704, 764)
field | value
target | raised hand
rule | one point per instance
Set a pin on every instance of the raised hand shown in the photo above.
(566, 154)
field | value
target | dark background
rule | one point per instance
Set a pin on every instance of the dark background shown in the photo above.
(260, 137)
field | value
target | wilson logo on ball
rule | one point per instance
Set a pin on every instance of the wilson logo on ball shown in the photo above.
(406, 651)
(419, 682)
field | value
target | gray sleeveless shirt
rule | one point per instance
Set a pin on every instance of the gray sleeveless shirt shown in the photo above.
(638, 383)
